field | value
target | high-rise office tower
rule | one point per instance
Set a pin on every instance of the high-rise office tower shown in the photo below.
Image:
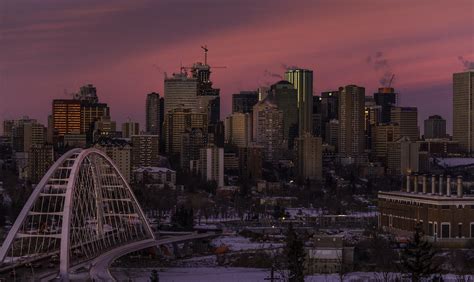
(284, 96)
(87, 93)
(463, 110)
(25, 133)
(386, 98)
(309, 159)
(382, 135)
(177, 122)
(212, 164)
(104, 127)
(50, 130)
(120, 151)
(191, 143)
(77, 116)
(130, 128)
(250, 162)
(145, 151)
(317, 116)
(435, 127)
(407, 119)
(40, 159)
(66, 117)
(332, 133)
(238, 129)
(244, 101)
(329, 110)
(153, 120)
(372, 115)
(351, 121)
(208, 96)
(268, 129)
(90, 113)
(180, 91)
(7, 127)
(403, 156)
(302, 80)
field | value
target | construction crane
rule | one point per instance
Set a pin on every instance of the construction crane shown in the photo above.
(391, 80)
(205, 53)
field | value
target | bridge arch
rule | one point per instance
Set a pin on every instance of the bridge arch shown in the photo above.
(81, 208)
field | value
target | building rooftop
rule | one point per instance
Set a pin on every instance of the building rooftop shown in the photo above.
(453, 162)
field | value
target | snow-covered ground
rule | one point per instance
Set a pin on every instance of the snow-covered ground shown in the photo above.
(239, 243)
(237, 274)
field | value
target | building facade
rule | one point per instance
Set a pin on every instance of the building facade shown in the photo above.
(153, 117)
(435, 127)
(145, 151)
(309, 158)
(463, 110)
(302, 80)
(351, 121)
(244, 101)
(407, 119)
(212, 165)
(238, 129)
(268, 129)
(120, 151)
(436, 203)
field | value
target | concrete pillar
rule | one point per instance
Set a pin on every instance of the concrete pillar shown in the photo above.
(459, 186)
(433, 184)
(416, 183)
(424, 184)
(408, 183)
(448, 185)
(440, 185)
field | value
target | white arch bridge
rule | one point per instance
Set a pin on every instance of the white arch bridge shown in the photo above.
(82, 208)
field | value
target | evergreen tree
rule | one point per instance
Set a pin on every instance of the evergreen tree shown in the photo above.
(416, 258)
(154, 277)
(295, 256)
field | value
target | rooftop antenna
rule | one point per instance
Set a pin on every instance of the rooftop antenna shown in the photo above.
(205, 53)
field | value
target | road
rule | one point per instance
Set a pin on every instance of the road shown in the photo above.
(99, 267)
(99, 270)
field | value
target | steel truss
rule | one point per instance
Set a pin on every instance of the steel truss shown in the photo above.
(80, 209)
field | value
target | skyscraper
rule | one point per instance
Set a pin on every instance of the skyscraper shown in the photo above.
(25, 133)
(435, 127)
(120, 151)
(302, 80)
(317, 116)
(309, 159)
(386, 98)
(130, 128)
(238, 129)
(145, 151)
(351, 121)
(87, 93)
(212, 165)
(268, 129)
(244, 101)
(153, 118)
(407, 119)
(40, 159)
(463, 110)
(177, 122)
(191, 143)
(180, 91)
(284, 95)
(66, 117)
(329, 110)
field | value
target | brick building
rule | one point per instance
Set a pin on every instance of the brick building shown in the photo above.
(438, 203)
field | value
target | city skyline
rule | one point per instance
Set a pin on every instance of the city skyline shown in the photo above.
(422, 58)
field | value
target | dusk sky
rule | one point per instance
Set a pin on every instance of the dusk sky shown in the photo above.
(124, 47)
